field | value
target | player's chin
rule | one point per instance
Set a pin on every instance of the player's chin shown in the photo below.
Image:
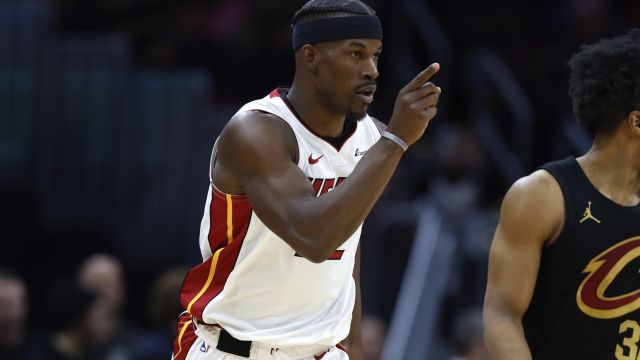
(357, 113)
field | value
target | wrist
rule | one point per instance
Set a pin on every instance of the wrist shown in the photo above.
(394, 138)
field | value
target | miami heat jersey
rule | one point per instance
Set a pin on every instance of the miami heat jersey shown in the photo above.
(586, 303)
(251, 282)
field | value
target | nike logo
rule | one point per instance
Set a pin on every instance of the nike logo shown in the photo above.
(313, 161)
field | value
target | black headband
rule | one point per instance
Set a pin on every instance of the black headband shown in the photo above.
(337, 28)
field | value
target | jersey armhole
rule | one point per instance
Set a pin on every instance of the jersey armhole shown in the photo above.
(295, 136)
(567, 227)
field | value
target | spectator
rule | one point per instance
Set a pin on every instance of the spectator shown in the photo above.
(71, 313)
(468, 336)
(13, 314)
(374, 332)
(457, 189)
(163, 308)
(103, 275)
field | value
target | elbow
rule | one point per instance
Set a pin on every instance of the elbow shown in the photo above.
(312, 249)
(315, 254)
(316, 259)
(496, 314)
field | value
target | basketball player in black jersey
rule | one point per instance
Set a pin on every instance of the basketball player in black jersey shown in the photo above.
(563, 269)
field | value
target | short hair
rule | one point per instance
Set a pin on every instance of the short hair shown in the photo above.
(605, 82)
(323, 9)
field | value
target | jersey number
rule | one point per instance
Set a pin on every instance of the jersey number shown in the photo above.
(630, 342)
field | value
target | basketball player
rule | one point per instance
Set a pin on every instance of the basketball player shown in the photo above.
(563, 268)
(293, 176)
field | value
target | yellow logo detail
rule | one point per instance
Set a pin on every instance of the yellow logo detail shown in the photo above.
(587, 214)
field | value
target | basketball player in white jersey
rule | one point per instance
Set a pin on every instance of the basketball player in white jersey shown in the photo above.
(293, 177)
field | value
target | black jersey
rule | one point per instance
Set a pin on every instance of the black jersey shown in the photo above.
(587, 296)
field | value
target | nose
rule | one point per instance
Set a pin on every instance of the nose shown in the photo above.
(370, 69)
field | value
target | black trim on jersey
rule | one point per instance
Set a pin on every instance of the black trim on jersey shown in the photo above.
(338, 142)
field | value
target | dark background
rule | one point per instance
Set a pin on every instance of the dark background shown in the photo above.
(109, 110)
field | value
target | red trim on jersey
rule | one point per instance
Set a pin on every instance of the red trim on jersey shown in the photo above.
(276, 93)
(317, 183)
(185, 338)
(328, 185)
(295, 114)
(205, 281)
(339, 346)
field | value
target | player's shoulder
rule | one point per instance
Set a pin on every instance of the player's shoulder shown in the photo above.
(259, 129)
(255, 122)
(538, 190)
(258, 126)
(534, 200)
(538, 185)
(379, 124)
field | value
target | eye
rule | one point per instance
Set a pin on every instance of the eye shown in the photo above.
(356, 54)
(376, 56)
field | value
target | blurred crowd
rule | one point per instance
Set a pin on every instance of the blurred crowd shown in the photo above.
(84, 317)
(71, 291)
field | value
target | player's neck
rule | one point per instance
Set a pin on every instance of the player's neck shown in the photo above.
(314, 111)
(613, 167)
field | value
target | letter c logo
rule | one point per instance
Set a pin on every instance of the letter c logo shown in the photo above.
(602, 270)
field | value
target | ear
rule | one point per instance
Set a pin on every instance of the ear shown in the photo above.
(310, 56)
(634, 122)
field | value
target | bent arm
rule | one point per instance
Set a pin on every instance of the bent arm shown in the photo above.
(255, 158)
(531, 216)
(255, 155)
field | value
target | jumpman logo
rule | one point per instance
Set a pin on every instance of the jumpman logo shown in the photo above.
(587, 214)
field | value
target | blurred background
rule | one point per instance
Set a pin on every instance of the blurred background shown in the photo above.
(109, 110)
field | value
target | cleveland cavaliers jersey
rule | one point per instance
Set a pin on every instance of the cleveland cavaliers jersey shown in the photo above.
(586, 302)
(252, 283)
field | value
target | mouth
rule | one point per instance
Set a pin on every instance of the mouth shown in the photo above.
(366, 93)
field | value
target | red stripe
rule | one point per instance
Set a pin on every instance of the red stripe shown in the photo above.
(336, 255)
(187, 339)
(328, 185)
(197, 277)
(339, 346)
(316, 186)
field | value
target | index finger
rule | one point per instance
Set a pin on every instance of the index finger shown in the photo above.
(423, 77)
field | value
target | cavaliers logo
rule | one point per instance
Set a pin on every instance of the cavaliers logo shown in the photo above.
(602, 270)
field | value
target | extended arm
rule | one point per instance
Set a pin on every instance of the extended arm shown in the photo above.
(255, 158)
(532, 214)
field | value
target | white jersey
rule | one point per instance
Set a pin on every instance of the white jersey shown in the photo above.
(252, 283)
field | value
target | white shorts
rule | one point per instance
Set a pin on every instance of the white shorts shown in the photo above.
(198, 342)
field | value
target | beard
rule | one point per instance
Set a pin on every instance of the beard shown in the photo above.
(336, 104)
(355, 116)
